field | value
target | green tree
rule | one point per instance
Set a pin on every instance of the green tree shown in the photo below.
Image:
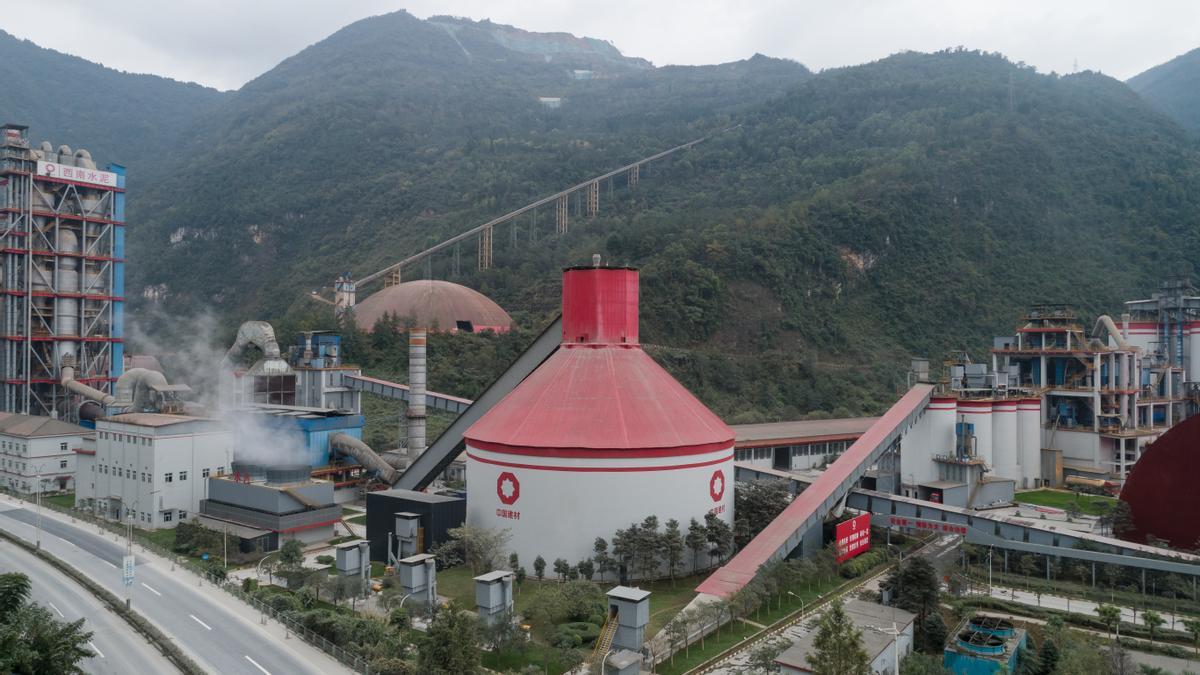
(672, 548)
(677, 632)
(291, 555)
(14, 593)
(1153, 621)
(837, 646)
(600, 556)
(513, 561)
(586, 568)
(933, 633)
(451, 643)
(647, 549)
(922, 664)
(914, 585)
(520, 578)
(719, 535)
(697, 542)
(539, 568)
(757, 503)
(1049, 655)
(562, 568)
(1110, 615)
(31, 639)
(481, 548)
(762, 657)
(1193, 627)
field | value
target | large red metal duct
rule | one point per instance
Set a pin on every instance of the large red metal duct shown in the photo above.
(1161, 490)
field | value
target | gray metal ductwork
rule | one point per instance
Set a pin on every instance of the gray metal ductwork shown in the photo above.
(261, 335)
(135, 385)
(1106, 321)
(365, 456)
(91, 393)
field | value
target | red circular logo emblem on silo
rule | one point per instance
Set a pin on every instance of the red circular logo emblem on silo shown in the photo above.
(716, 485)
(508, 488)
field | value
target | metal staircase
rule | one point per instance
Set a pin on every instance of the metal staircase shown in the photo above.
(604, 641)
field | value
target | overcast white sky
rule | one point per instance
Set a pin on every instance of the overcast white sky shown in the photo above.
(225, 43)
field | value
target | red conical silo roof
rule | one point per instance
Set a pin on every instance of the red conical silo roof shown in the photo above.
(600, 391)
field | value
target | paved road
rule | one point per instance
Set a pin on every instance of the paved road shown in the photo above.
(218, 631)
(1078, 606)
(117, 647)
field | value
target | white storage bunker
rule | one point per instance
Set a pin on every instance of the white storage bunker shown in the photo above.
(598, 437)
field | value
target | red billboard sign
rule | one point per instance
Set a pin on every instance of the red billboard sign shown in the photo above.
(853, 537)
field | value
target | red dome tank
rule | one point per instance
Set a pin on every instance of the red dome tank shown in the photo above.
(1161, 490)
(598, 437)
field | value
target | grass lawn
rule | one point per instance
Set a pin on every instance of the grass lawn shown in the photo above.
(358, 520)
(731, 634)
(1088, 504)
(347, 511)
(164, 537)
(667, 599)
(66, 501)
(512, 660)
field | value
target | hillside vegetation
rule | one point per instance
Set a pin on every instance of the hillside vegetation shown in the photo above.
(129, 119)
(831, 227)
(909, 206)
(1174, 88)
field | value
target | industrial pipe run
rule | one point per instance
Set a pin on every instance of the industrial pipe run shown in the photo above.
(1109, 325)
(261, 335)
(365, 456)
(91, 393)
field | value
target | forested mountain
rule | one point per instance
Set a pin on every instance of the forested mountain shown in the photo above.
(119, 117)
(1174, 88)
(914, 205)
(831, 226)
(393, 133)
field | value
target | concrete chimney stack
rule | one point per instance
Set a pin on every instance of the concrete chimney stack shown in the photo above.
(416, 392)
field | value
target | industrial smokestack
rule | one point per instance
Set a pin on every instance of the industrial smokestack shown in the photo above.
(416, 392)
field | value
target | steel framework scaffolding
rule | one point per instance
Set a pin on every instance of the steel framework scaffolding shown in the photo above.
(61, 274)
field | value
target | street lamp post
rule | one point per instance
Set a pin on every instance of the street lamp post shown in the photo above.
(38, 469)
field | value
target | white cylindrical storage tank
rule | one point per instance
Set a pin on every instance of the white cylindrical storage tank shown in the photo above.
(1193, 351)
(1029, 434)
(915, 453)
(597, 438)
(66, 307)
(942, 411)
(1004, 440)
(978, 416)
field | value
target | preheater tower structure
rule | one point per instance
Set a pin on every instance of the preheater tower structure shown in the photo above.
(61, 275)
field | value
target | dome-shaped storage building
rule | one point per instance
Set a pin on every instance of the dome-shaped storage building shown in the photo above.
(598, 437)
(436, 305)
(1161, 490)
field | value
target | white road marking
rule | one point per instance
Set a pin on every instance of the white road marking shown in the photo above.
(152, 590)
(200, 622)
(98, 652)
(109, 564)
(57, 610)
(258, 666)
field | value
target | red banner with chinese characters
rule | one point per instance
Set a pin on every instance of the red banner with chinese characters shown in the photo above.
(853, 537)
